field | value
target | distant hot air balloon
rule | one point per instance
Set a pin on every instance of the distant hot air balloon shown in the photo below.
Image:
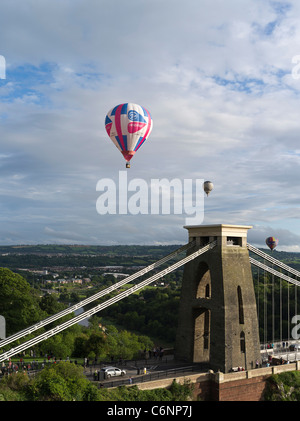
(128, 125)
(271, 242)
(208, 186)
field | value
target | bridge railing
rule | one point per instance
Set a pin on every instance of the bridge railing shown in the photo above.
(155, 375)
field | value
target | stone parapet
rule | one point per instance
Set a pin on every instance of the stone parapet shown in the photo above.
(236, 386)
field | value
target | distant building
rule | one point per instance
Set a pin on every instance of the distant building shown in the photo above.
(116, 275)
(49, 291)
(113, 267)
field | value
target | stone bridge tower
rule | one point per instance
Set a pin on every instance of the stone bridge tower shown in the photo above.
(217, 316)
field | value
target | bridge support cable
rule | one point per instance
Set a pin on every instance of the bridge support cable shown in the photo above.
(289, 314)
(265, 308)
(46, 335)
(288, 278)
(271, 259)
(289, 281)
(296, 300)
(275, 272)
(257, 298)
(273, 309)
(280, 308)
(94, 297)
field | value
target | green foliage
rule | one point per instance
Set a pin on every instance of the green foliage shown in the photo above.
(155, 313)
(80, 345)
(95, 345)
(65, 381)
(41, 256)
(181, 392)
(13, 387)
(176, 392)
(126, 344)
(133, 394)
(113, 343)
(62, 382)
(50, 304)
(58, 346)
(7, 394)
(283, 387)
(18, 303)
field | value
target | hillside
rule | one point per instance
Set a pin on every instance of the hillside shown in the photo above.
(47, 256)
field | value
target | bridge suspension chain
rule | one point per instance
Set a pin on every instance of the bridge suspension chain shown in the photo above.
(120, 296)
(265, 308)
(289, 281)
(94, 297)
(272, 260)
(275, 272)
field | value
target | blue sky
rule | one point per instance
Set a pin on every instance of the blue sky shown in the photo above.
(218, 80)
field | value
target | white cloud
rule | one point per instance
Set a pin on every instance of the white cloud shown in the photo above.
(217, 79)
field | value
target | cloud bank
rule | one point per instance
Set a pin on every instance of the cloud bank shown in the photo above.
(221, 85)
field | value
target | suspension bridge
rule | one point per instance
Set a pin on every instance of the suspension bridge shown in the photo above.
(219, 312)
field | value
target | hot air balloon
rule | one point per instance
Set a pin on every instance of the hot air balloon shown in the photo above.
(208, 186)
(128, 125)
(271, 242)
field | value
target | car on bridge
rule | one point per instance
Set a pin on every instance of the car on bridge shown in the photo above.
(112, 372)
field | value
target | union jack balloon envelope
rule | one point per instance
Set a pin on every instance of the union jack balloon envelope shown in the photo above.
(128, 125)
(271, 242)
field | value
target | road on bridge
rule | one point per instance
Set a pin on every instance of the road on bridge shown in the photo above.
(144, 370)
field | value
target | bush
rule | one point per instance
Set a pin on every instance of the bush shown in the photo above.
(283, 387)
(13, 387)
(64, 381)
(176, 392)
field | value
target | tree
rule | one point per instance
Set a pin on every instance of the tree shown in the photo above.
(283, 387)
(126, 344)
(133, 321)
(61, 345)
(96, 345)
(50, 304)
(80, 345)
(64, 381)
(19, 303)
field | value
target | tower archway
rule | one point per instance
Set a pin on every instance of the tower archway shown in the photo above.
(201, 315)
